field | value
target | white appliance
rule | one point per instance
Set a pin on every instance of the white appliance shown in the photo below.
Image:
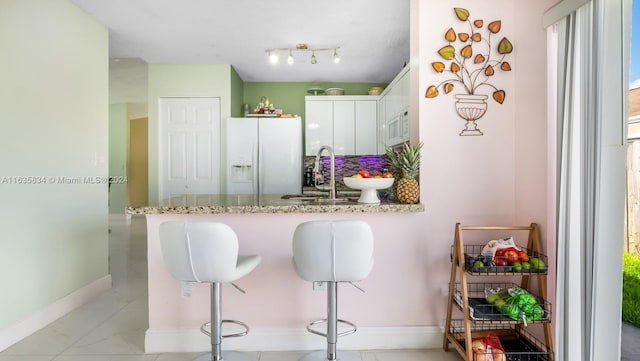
(264, 155)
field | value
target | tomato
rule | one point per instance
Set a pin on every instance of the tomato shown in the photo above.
(499, 261)
(510, 254)
(364, 173)
(524, 257)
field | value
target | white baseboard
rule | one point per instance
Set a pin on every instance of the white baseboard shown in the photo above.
(39, 319)
(366, 338)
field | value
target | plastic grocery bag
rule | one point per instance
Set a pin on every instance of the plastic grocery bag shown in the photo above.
(492, 246)
(516, 303)
(488, 348)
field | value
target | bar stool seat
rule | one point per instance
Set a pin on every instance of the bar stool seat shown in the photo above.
(207, 252)
(332, 252)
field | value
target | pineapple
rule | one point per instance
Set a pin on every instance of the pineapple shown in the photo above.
(406, 164)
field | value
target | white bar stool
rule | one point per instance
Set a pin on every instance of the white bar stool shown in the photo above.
(333, 252)
(207, 252)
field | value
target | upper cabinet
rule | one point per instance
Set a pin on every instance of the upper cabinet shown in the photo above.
(393, 112)
(346, 123)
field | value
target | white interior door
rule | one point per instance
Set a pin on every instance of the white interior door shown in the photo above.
(189, 146)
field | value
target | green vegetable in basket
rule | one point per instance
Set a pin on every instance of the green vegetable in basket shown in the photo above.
(522, 306)
(537, 263)
(511, 310)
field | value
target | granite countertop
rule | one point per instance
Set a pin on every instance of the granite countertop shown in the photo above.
(227, 204)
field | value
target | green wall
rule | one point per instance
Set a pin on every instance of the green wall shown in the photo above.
(237, 89)
(118, 157)
(183, 80)
(54, 106)
(289, 96)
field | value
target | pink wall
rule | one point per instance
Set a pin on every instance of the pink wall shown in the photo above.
(502, 177)
(496, 179)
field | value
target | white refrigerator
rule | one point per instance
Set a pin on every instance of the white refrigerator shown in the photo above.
(264, 155)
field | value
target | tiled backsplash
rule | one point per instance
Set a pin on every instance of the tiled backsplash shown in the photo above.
(346, 166)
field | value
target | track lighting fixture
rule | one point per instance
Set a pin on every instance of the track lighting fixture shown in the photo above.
(273, 53)
(290, 57)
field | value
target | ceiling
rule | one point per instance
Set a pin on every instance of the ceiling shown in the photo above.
(373, 36)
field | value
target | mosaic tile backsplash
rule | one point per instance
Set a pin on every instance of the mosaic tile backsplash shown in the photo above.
(347, 165)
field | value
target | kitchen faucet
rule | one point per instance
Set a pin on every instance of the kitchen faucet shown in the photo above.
(317, 170)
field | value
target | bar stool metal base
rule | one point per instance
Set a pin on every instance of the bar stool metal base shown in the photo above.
(226, 356)
(321, 355)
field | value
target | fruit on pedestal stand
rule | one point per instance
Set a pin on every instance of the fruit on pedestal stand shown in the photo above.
(406, 163)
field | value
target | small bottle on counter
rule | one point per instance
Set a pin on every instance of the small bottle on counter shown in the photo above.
(308, 177)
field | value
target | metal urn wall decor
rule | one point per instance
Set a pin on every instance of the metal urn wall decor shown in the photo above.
(471, 59)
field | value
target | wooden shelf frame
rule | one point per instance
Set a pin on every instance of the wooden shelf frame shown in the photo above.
(458, 270)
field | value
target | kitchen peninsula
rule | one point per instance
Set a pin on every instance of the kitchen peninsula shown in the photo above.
(278, 305)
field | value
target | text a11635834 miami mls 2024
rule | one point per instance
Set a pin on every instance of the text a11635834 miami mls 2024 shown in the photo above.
(63, 180)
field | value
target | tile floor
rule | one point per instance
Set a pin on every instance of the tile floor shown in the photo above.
(111, 327)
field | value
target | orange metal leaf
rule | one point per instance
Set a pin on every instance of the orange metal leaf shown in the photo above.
(489, 71)
(448, 87)
(505, 46)
(455, 67)
(478, 23)
(450, 36)
(467, 51)
(499, 96)
(447, 52)
(462, 14)
(463, 37)
(476, 37)
(479, 58)
(438, 66)
(505, 66)
(431, 92)
(494, 26)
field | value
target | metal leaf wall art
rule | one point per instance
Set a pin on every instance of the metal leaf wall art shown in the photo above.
(471, 58)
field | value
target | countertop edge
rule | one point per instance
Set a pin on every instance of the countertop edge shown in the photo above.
(277, 209)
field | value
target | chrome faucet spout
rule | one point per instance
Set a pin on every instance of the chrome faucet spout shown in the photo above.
(332, 174)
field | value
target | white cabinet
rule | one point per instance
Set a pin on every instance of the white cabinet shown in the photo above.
(346, 123)
(393, 112)
(344, 133)
(318, 125)
(366, 127)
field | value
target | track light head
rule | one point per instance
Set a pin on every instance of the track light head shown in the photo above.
(290, 58)
(273, 58)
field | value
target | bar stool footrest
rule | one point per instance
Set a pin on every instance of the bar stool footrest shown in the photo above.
(353, 328)
(239, 334)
